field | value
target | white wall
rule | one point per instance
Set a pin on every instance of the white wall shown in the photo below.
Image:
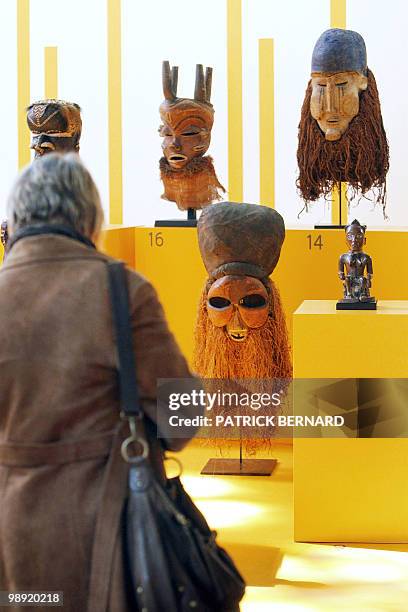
(189, 32)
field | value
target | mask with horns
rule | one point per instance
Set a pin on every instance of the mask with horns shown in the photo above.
(341, 132)
(188, 177)
(241, 329)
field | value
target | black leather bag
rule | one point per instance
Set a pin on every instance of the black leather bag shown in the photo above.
(175, 562)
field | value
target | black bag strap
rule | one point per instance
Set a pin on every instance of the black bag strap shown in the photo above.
(119, 295)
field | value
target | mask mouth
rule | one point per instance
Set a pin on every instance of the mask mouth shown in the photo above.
(44, 147)
(237, 335)
(177, 158)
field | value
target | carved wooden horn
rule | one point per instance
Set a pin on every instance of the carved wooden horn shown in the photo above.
(167, 81)
(199, 91)
(174, 80)
(208, 83)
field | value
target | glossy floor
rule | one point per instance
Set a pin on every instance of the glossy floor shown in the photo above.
(254, 520)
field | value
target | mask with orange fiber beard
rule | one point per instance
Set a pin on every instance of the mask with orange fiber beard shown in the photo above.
(241, 329)
(263, 352)
(241, 335)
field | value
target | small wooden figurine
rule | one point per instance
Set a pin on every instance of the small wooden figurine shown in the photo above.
(356, 271)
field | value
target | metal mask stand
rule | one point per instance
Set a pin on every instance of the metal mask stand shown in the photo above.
(191, 220)
(239, 467)
(341, 225)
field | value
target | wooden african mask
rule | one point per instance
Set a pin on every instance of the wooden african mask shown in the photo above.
(238, 304)
(55, 126)
(241, 328)
(189, 178)
(335, 100)
(341, 132)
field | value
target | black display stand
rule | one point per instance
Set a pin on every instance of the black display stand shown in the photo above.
(340, 226)
(356, 305)
(191, 220)
(239, 467)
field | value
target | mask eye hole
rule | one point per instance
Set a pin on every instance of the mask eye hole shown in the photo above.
(253, 301)
(219, 302)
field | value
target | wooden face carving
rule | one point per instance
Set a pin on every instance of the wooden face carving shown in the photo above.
(55, 126)
(186, 132)
(335, 100)
(238, 304)
(355, 237)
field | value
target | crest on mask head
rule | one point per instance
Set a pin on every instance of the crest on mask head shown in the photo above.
(189, 178)
(341, 132)
(55, 125)
(339, 50)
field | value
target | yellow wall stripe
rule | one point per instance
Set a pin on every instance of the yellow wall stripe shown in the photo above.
(336, 220)
(338, 13)
(115, 111)
(266, 122)
(338, 20)
(23, 80)
(51, 72)
(235, 127)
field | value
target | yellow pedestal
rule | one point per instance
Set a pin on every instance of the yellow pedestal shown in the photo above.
(351, 490)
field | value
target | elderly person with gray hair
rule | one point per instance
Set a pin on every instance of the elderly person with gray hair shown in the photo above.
(59, 396)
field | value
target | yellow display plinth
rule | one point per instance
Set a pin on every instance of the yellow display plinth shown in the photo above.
(119, 242)
(351, 490)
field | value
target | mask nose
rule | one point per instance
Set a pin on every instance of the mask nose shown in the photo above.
(331, 98)
(236, 321)
(236, 328)
(175, 144)
(41, 144)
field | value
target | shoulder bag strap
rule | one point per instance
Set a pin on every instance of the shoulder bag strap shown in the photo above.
(119, 295)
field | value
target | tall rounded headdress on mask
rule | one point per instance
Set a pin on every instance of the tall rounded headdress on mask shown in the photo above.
(339, 50)
(240, 239)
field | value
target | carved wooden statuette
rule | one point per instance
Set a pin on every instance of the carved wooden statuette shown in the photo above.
(341, 132)
(241, 328)
(356, 271)
(188, 175)
(55, 126)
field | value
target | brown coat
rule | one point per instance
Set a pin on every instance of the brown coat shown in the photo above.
(58, 385)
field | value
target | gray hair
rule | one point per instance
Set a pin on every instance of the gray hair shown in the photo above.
(56, 189)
